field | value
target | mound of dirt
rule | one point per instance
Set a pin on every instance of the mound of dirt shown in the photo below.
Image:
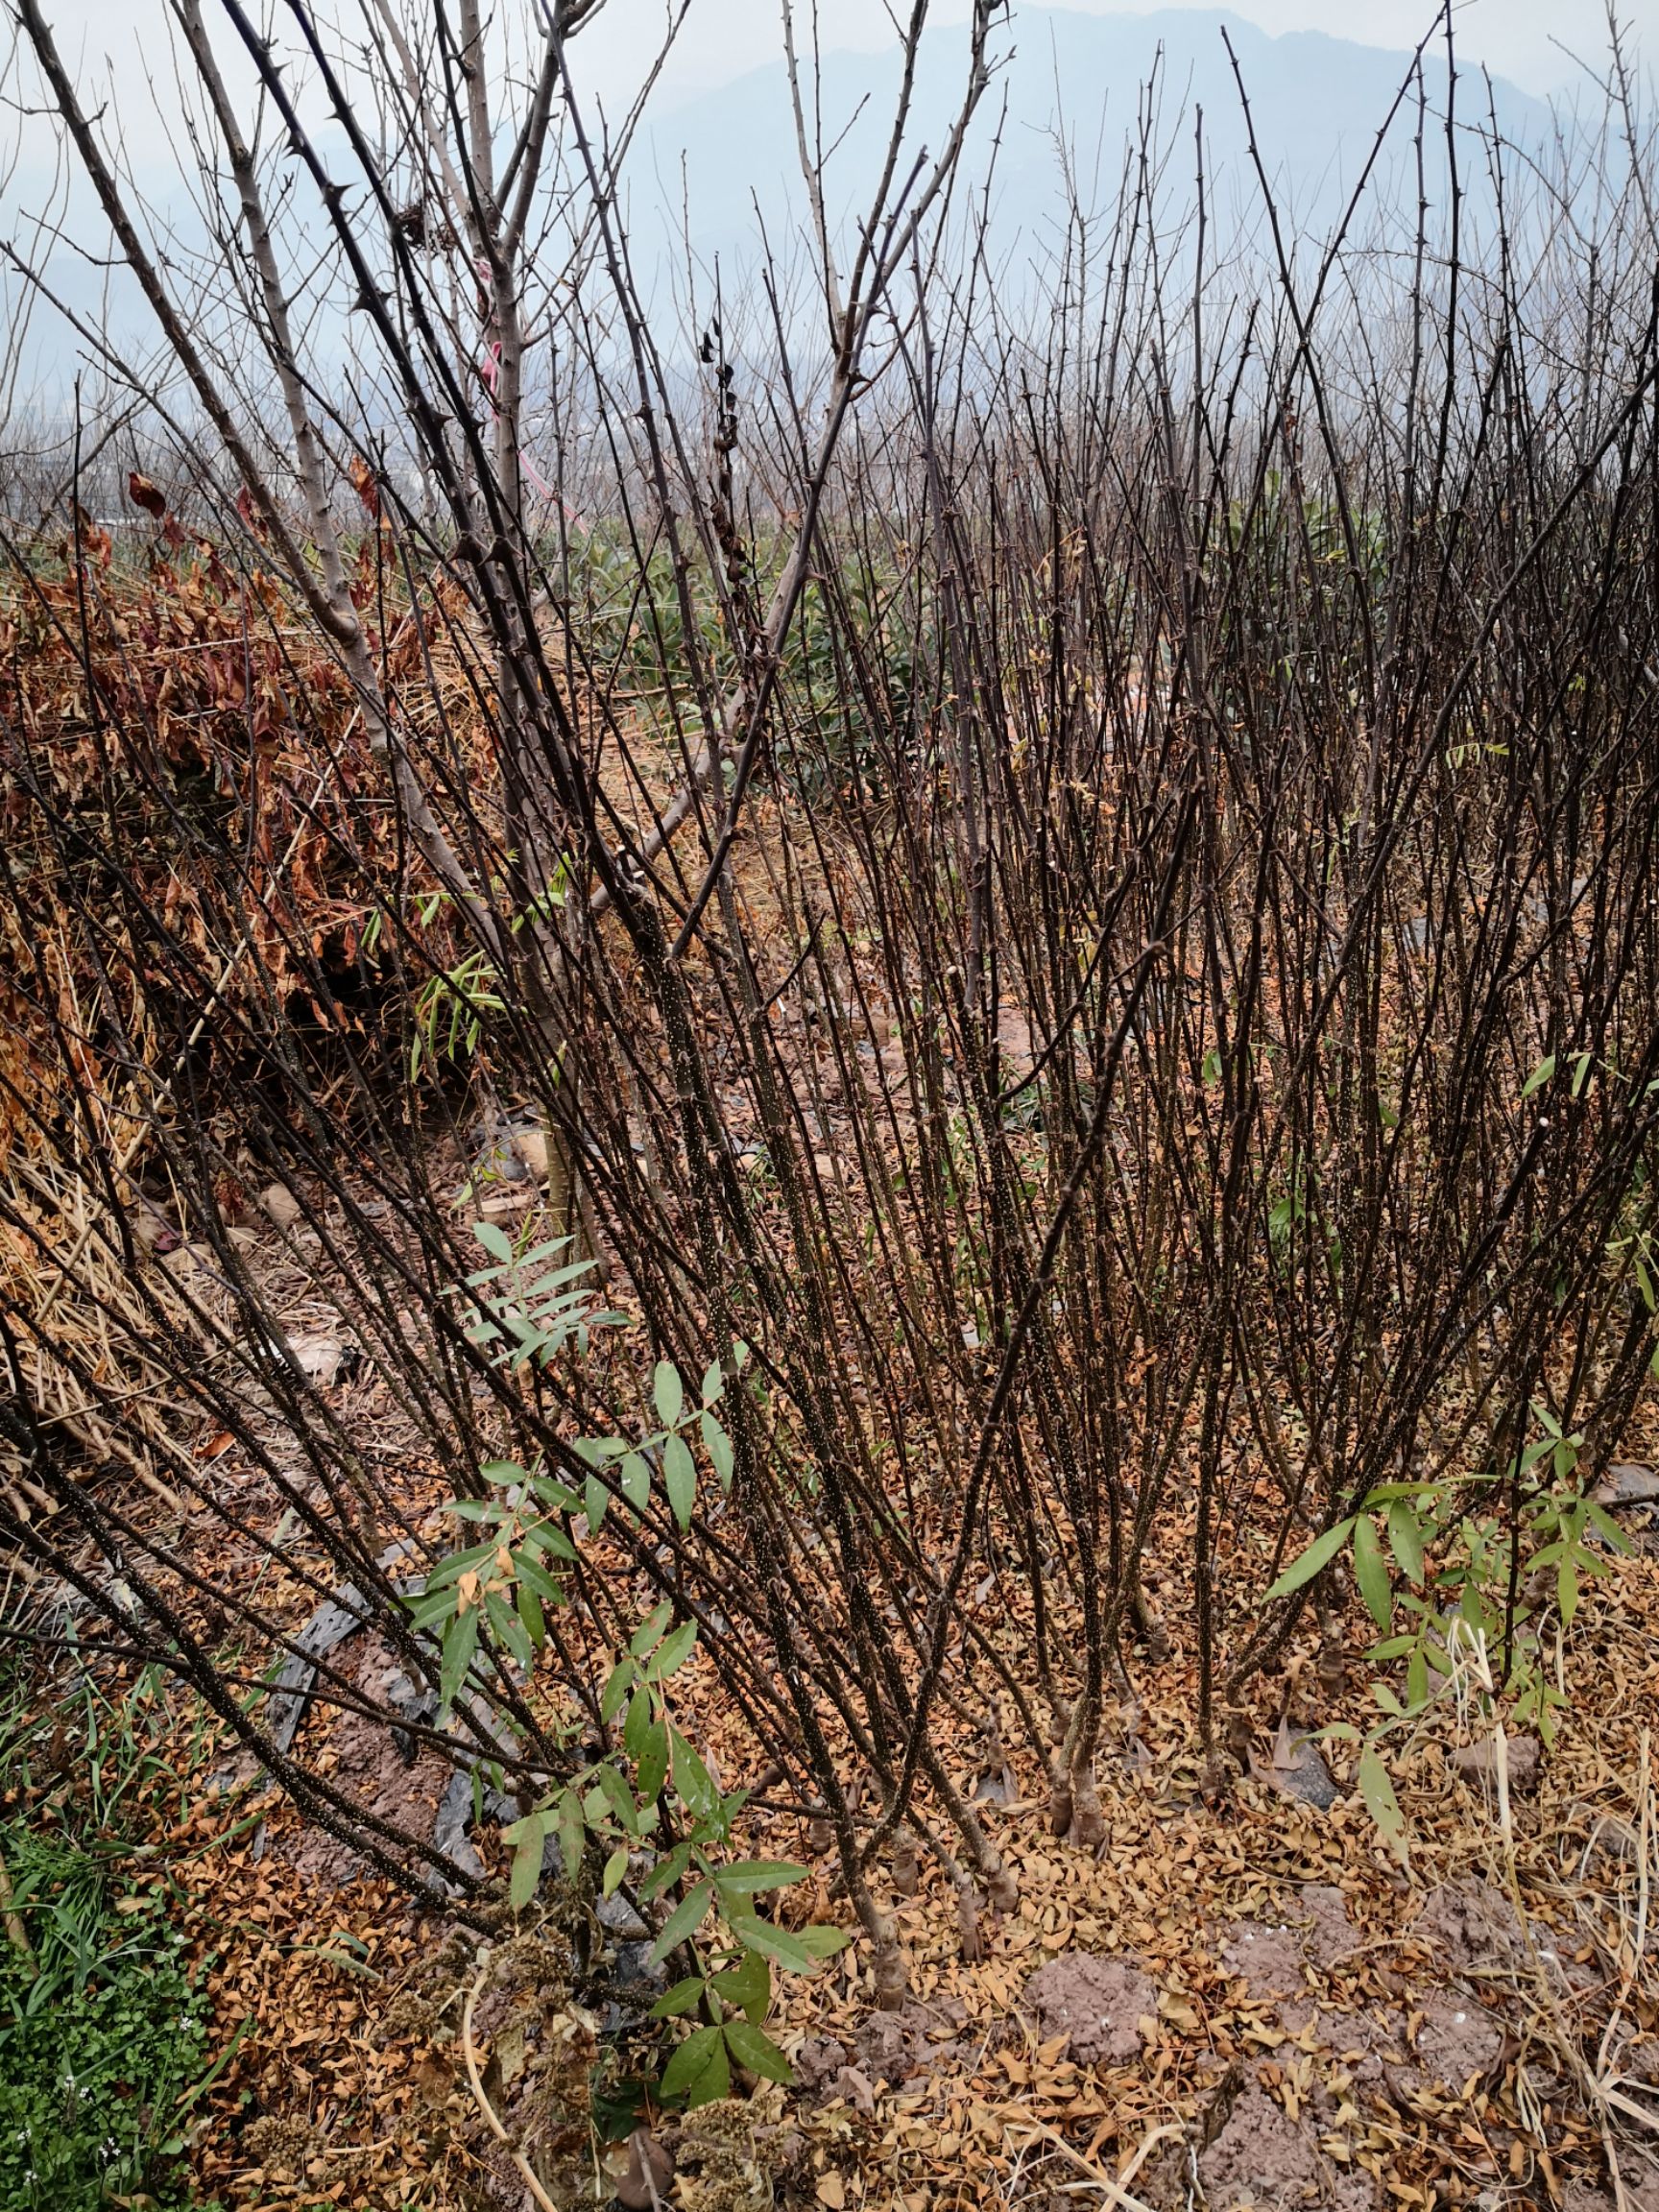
(1097, 2004)
(1330, 1935)
(888, 2047)
(1263, 2159)
(1267, 1958)
(1470, 1927)
(1457, 2042)
(1641, 2180)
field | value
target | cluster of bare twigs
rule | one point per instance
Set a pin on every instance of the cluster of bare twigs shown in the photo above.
(1084, 888)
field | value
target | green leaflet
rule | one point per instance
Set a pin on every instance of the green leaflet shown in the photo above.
(669, 1393)
(673, 1651)
(718, 1446)
(680, 1477)
(1371, 1572)
(774, 1942)
(757, 2051)
(1378, 1791)
(686, 1917)
(1406, 1540)
(749, 1876)
(1319, 1553)
(699, 2071)
(526, 1872)
(684, 1997)
(748, 1987)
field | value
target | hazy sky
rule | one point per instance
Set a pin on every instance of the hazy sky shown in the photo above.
(122, 54)
(1513, 36)
(125, 43)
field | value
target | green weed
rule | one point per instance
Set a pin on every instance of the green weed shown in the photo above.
(103, 2026)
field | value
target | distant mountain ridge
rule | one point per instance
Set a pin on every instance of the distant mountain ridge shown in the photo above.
(723, 165)
(1317, 103)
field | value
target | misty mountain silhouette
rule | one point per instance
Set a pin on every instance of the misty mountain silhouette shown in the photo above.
(1068, 99)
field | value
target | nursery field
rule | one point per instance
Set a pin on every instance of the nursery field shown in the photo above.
(828, 1129)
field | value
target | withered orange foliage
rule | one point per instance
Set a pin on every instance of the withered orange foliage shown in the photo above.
(216, 749)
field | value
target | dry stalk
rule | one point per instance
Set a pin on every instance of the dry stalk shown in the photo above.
(481, 2099)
